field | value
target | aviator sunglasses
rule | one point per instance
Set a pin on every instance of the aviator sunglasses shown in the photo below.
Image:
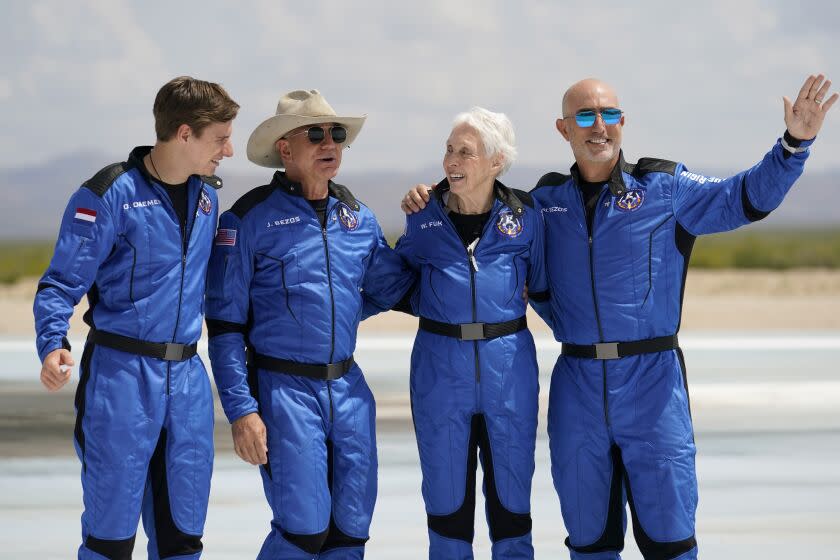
(316, 134)
(586, 118)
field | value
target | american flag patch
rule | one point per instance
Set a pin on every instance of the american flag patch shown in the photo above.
(85, 215)
(226, 237)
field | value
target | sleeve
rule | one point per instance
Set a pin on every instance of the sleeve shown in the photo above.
(85, 239)
(387, 278)
(705, 204)
(405, 248)
(228, 303)
(538, 286)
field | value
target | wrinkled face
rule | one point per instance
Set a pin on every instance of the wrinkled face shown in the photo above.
(307, 161)
(205, 151)
(599, 143)
(467, 167)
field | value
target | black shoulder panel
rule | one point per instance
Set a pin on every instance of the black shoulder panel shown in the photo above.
(102, 181)
(213, 181)
(510, 197)
(250, 199)
(552, 179)
(653, 165)
(343, 194)
(524, 197)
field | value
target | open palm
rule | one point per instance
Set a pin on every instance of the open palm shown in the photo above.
(804, 117)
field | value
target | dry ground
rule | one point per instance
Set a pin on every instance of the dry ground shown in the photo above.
(730, 299)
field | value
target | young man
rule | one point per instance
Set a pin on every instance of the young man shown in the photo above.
(136, 239)
(296, 265)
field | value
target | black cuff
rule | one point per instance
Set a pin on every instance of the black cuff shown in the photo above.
(43, 286)
(791, 141)
(65, 343)
(216, 327)
(539, 297)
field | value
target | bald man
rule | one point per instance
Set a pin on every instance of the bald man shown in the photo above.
(618, 238)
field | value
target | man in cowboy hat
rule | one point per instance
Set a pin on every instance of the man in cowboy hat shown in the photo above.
(296, 264)
(136, 239)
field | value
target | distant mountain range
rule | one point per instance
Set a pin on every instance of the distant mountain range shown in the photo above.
(35, 196)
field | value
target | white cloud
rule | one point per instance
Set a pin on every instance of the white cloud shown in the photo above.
(701, 82)
(128, 58)
(5, 89)
(51, 21)
(472, 16)
(746, 21)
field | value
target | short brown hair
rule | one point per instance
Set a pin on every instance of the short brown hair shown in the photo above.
(196, 103)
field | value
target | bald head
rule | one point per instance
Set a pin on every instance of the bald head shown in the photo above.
(595, 144)
(590, 93)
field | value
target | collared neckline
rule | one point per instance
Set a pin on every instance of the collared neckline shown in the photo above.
(501, 193)
(339, 192)
(135, 159)
(616, 181)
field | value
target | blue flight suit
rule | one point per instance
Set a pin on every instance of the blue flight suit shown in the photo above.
(468, 393)
(294, 292)
(144, 425)
(620, 429)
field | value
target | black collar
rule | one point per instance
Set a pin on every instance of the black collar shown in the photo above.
(335, 190)
(135, 159)
(616, 180)
(504, 194)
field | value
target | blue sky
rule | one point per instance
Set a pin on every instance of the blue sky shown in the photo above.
(700, 82)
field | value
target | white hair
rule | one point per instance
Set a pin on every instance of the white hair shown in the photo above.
(496, 132)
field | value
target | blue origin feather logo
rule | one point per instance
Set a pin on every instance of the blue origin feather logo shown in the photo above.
(508, 224)
(348, 219)
(631, 200)
(204, 203)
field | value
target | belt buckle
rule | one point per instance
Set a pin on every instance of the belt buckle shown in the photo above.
(173, 352)
(606, 351)
(472, 331)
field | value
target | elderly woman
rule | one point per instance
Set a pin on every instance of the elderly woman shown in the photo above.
(477, 245)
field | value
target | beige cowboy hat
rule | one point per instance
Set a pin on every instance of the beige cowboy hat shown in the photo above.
(295, 109)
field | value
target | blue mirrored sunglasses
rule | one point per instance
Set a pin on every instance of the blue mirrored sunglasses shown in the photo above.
(587, 118)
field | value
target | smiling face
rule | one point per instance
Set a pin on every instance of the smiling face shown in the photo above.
(600, 143)
(205, 151)
(469, 170)
(306, 162)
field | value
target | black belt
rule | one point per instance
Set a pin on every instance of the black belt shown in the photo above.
(615, 350)
(473, 331)
(327, 372)
(169, 351)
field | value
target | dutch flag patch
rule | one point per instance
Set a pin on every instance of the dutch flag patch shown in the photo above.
(85, 216)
